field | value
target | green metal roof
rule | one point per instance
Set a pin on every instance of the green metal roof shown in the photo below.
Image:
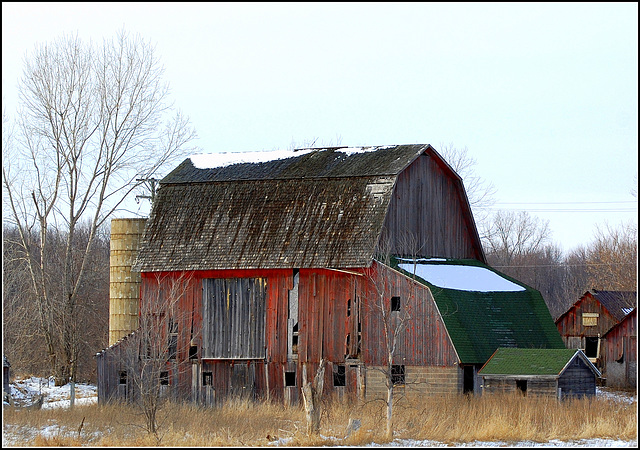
(480, 321)
(528, 361)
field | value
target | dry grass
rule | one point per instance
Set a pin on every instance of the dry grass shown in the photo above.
(448, 419)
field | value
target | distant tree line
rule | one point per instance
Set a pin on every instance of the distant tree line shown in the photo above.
(23, 329)
(518, 245)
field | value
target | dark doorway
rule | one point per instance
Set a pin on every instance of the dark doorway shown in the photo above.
(591, 346)
(468, 376)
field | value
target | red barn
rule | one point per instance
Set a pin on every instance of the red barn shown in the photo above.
(584, 324)
(282, 260)
(620, 352)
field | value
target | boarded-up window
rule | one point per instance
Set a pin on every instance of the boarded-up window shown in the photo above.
(590, 319)
(234, 317)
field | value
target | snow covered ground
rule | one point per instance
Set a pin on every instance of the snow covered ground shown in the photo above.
(24, 392)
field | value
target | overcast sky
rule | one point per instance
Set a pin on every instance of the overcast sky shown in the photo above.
(543, 96)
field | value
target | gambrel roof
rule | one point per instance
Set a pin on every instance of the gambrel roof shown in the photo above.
(482, 308)
(301, 209)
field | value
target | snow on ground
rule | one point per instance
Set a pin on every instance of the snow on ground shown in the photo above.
(25, 391)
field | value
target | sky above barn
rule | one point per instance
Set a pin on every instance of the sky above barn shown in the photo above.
(543, 95)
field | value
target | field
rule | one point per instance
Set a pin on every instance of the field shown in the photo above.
(609, 419)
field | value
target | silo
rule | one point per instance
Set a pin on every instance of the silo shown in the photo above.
(124, 285)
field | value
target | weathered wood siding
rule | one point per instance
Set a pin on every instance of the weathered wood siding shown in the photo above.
(570, 324)
(423, 340)
(429, 214)
(536, 386)
(577, 380)
(620, 353)
(234, 313)
(338, 320)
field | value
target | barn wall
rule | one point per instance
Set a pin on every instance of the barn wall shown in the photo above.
(620, 353)
(337, 321)
(419, 380)
(429, 207)
(536, 386)
(423, 341)
(570, 325)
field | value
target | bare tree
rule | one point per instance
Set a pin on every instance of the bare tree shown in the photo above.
(612, 258)
(479, 192)
(514, 234)
(92, 121)
(152, 360)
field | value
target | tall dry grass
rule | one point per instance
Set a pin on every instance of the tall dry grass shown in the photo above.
(448, 419)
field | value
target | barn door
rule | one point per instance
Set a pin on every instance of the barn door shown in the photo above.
(234, 314)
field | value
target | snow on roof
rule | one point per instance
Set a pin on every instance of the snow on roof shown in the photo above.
(212, 160)
(460, 277)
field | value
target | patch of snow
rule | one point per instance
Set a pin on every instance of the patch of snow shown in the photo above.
(224, 159)
(462, 278)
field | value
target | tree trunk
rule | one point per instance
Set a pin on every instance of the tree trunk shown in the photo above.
(312, 396)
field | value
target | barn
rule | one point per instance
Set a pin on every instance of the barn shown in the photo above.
(620, 352)
(585, 323)
(284, 260)
(537, 372)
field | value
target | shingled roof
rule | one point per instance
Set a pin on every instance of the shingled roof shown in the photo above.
(618, 303)
(483, 309)
(533, 361)
(308, 208)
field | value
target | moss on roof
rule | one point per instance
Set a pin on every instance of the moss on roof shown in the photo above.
(528, 361)
(480, 322)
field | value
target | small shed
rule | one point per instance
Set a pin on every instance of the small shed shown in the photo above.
(558, 372)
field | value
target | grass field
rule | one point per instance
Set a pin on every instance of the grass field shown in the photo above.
(447, 420)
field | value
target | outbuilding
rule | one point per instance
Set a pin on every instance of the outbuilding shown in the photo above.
(532, 371)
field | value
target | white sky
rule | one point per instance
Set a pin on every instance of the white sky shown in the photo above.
(544, 96)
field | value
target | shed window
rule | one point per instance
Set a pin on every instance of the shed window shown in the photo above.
(395, 303)
(122, 379)
(164, 378)
(234, 313)
(207, 378)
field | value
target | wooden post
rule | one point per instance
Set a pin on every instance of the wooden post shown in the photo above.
(312, 396)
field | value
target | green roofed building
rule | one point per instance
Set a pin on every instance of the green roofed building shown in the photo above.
(558, 372)
(483, 310)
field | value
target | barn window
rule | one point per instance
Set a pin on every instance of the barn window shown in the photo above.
(339, 375)
(207, 378)
(173, 338)
(395, 303)
(164, 378)
(397, 375)
(590, 319)
(122, 377)
(234, 314)
(349, 308)
(193, 352)
(290, 378)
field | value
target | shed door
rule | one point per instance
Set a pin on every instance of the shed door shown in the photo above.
(233, 318)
